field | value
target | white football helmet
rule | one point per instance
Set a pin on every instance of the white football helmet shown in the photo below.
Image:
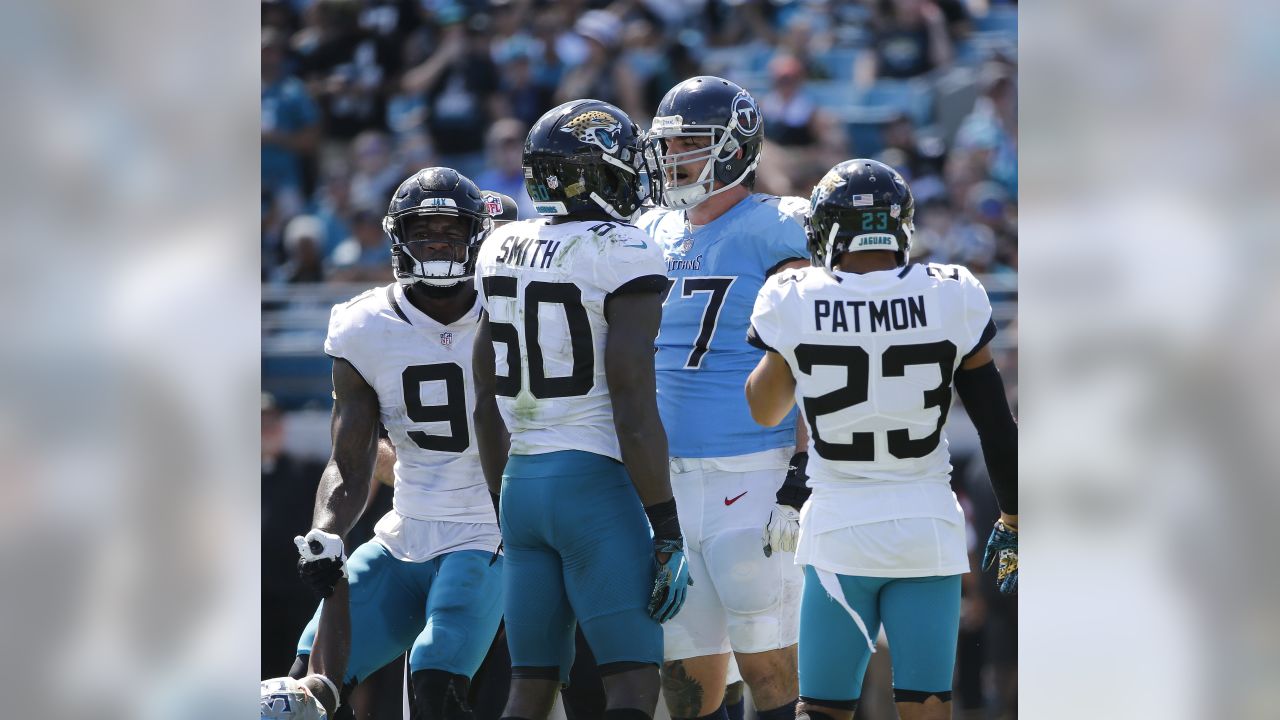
(288, 699)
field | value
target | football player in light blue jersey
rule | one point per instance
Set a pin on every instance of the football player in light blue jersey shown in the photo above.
(721, 241)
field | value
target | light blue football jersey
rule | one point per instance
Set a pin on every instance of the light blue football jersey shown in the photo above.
(714, 274)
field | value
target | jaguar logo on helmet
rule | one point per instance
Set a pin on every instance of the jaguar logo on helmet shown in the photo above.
(746, 113)
(831, 181)
(595, 127)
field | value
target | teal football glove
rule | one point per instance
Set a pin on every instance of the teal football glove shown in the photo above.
(1003, 546)
(672, 582)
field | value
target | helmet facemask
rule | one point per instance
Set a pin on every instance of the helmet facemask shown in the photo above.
(700, 167)
(415, 260)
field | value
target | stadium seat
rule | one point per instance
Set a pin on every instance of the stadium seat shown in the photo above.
(297, 381)
(1001, 20)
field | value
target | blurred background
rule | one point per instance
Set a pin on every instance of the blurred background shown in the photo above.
(359, 94)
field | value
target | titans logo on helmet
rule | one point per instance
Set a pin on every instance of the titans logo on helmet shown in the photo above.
(746, 113)
(596, 128)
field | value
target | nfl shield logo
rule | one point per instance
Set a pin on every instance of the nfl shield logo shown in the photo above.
(446, 339)
(493, 204)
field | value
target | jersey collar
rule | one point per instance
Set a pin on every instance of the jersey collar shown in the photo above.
(415, 317)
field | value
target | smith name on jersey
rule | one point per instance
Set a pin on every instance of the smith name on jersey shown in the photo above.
(714, 273)
(421, 371)
(545, 287)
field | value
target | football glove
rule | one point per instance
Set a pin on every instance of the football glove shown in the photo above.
(783, 527)
(1002, 546)
(323, 561)
(782, 530)
(287, 699)
(672, 582)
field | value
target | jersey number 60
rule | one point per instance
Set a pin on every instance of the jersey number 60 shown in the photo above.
(569, 296)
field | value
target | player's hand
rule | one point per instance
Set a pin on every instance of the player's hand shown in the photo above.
(288, 699)
(322, 561)
(672, 581)
(1002, 546)
(782, 530)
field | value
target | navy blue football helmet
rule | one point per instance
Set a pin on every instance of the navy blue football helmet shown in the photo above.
(723, 118)
(860, 204)
(585, 155)
(436, 191)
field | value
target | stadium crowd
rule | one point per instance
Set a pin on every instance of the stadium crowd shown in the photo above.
(357, 94)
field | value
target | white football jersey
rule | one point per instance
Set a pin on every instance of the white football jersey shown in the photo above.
(421, 371)
(873, 356)
(545, 286)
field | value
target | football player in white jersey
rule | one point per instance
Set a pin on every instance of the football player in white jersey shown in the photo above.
(429, 581)
(564, 362)
(734, 480)
(870, 347)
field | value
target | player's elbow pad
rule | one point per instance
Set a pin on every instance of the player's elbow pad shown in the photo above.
(982, 392)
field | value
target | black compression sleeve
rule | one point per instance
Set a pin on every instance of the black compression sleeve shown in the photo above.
(664, 521)
(982, 392)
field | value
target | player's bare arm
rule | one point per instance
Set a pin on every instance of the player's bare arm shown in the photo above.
(344, 486)
(383, 468)
(633, 325)
(344, 490)
(329, 654)
(771, 390)
(492, 437)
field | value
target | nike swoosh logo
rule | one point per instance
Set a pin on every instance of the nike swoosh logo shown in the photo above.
(727, 501)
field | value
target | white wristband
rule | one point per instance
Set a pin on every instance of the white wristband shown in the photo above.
(337, 698)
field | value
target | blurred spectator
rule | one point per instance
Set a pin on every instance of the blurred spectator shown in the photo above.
(290, 128)
(504, 148)
(807, 136)
(991, 129)
(599, 75)
(288, 491)
(375, 176)
(792, 118)
(918, 158)
(332, 207)
(365, 256)
(527, 92)
(800, 40)
(280, 17)
(460, 84)
(909, 39)
(678, 63)
(642, 56)
(303, 262)
(344, 67)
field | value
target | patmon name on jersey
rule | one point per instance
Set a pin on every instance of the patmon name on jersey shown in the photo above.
(871, 315)
(538, 251)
